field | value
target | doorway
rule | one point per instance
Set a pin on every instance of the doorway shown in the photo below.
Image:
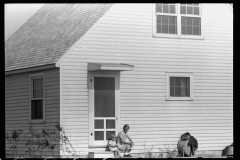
(103, 107)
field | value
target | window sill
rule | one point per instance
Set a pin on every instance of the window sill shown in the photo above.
(37, 121)
(177, 36)
(179, 99)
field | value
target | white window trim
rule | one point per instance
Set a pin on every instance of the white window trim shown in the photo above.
(31, 76)
(180, 74)
(178, 35)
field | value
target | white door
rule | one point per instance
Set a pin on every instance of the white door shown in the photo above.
(103, 110)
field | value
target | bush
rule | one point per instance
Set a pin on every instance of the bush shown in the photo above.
(65, 144)
(40, 144)
(13, 139)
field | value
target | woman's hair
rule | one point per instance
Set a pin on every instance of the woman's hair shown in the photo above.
(126, 125)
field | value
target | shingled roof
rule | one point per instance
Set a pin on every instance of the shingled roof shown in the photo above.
(49, 33)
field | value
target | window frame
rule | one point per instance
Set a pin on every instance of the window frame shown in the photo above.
(180, 74)
(179, 19)
(31, 77)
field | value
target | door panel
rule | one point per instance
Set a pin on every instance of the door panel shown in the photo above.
(103, 133)
(110, 124)
(104, 96)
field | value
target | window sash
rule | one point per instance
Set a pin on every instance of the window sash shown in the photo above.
(178, 88)
(37, 98)
(166, 24)
(166, 8)
(186, 8)
(37, 88)
(37, 109)
(189, 27)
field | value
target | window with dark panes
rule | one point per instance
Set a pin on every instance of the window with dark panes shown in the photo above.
(37, 98)
(190, 19)
(179, 87)
(166, 18)
(191, 26)
(174, 19)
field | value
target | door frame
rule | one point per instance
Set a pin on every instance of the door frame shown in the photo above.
(91, 76)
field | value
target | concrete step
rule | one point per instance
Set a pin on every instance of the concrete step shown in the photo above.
(101, 154)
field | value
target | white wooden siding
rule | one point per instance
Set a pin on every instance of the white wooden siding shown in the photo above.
(17, 105)
(125, 36)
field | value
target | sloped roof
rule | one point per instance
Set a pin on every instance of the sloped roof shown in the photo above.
(49, 33)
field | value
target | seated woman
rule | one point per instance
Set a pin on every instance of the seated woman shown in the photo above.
(125, 142)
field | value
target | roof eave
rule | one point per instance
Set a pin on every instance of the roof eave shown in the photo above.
(31, 69)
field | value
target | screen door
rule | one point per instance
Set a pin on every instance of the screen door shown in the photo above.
(103, 110)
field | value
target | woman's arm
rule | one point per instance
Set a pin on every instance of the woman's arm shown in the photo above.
(122, 142)
(129, 138)
(131, 141)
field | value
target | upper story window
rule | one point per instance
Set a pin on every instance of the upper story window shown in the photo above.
(190, 19)
(166, 18)
(174, 20)
(37, 97)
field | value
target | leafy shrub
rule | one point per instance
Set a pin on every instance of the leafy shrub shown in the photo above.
(13, 139)
(40, 144)
(65, 144)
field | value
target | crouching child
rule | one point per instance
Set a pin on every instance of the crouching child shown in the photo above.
(112, 144)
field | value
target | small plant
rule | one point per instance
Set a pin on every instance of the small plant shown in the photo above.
(65, 144)
(171, 150)
(40, 144)
(161, 151)
(146, 152)
(13, 139)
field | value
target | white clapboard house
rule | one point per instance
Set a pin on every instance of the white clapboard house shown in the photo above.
(164, 69)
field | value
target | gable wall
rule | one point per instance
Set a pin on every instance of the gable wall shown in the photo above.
(17, 106)
(125, 36)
